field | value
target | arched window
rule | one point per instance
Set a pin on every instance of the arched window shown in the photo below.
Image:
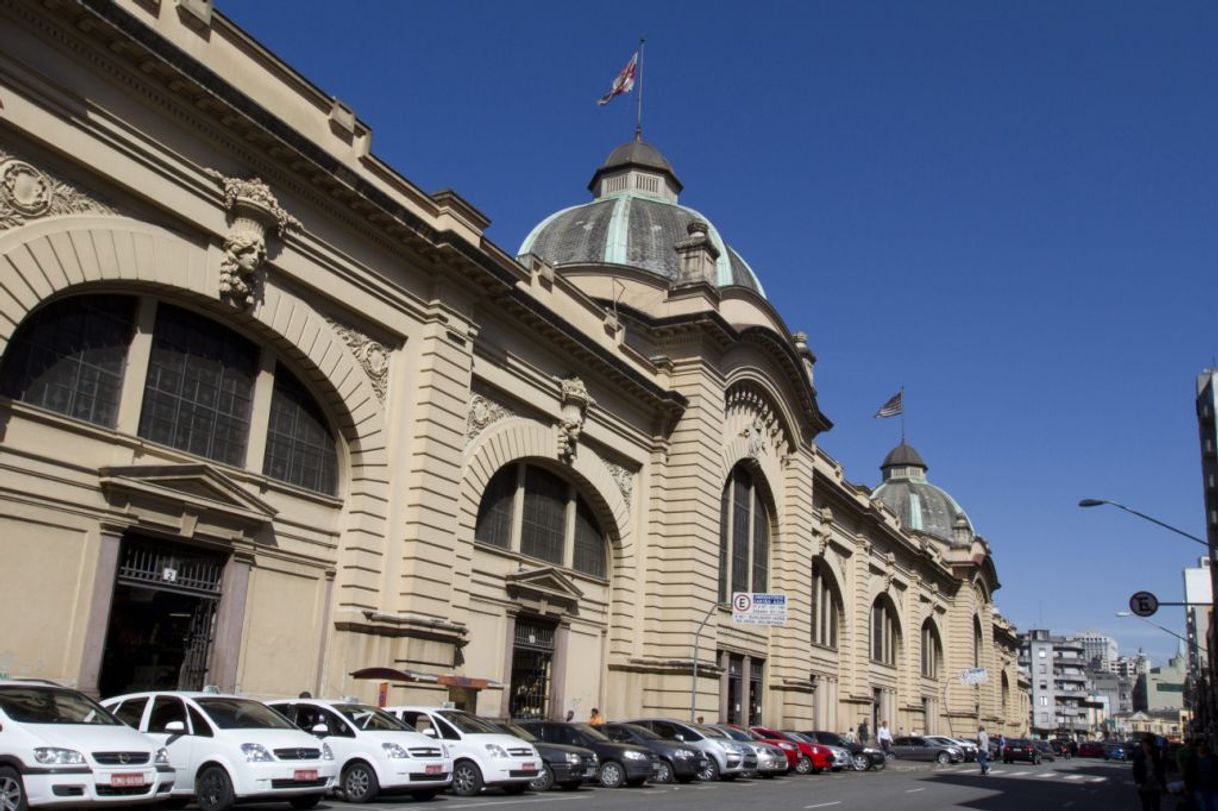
(826, 606)
(199, 378)
(932, 650)
(744, 536)
(534, 511)
(69, 357)
(978, 641)
(885, 631)
(1006, 694)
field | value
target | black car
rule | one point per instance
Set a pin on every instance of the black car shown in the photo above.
(863, 757)
(678, 762)
(1021, 749)
(621, 763)
(565, 766)
(1045, 749)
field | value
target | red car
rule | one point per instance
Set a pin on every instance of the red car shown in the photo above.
(1091, 749)
(813, 758)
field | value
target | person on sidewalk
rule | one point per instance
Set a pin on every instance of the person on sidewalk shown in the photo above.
(864, 734)
(983, 750)
(596, 719)
(884, 737)
(1149, 777)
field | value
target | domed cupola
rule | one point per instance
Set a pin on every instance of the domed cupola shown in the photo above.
(635, 220)
(921, 506)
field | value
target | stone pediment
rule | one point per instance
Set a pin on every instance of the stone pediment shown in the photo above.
(542, 588)
(199, 489)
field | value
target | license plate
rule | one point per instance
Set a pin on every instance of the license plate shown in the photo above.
(528, 767)
(433, 768)
(126, 779)
(304, 774)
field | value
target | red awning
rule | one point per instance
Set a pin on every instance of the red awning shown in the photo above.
(412, 676)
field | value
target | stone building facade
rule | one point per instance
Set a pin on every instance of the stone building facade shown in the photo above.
(275, 419)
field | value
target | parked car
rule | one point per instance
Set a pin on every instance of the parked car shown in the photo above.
(863, 757)
(621, 763)
(725, 760)
(842, 758)
(1061, 748)
(58, 746)
(813, 758)
(567, 767)
(1021, 749)
(1046, 751)
(916, 747)
(374, 751)
(484, 756)
(1118, 751)
(790, 749)
(1091, 749)
(967, 748)
(227, 748)
(679, 762)
(771, 760)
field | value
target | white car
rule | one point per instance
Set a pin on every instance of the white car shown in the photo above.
(482, 753)
(227, 748)
(58, 747)
(375, 751)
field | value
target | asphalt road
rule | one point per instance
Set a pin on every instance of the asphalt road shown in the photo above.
(1073, 784)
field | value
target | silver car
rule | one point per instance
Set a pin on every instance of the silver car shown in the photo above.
(968, 749)
(725, 759)
(771, 760)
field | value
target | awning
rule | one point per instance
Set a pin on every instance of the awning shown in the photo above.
(412, 676)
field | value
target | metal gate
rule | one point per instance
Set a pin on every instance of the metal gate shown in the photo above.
(532, 655)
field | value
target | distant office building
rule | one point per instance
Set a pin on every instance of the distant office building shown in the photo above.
(1099, 650)
(1056, 668)
(1162, 688)
(1116, 690)
(1132, 666)
(1198, 588)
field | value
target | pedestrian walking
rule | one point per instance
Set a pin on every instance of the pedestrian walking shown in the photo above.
(1204, 766)
(1149, 777)
(596, 719)
(864, 734)
(884, 737)
(983, 750)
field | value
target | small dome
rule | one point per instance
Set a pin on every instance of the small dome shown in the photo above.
(634, 220)
(921, 506)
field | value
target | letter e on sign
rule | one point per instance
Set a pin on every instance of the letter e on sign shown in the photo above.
(1143, 603)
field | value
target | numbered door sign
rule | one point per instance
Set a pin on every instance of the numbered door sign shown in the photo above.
(1143, 604)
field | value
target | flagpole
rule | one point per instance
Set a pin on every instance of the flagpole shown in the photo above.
(902, 414)
(638, 121)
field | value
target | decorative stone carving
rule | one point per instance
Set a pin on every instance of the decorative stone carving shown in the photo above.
(624, 479)
(575, 402)
(747, 405)
(482, 413)
(253, 209)
(755, 433)
(372, 355)
(28, 193)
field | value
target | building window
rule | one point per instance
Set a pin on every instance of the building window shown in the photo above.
(200, 387)
(1041, 653)
(977, 642)
(825, 606)
(884, 632)
(69, 357)
(932, 650)
(744, 689)
(1044, 701)
(744, 536)
(300, 449)
(553, 522)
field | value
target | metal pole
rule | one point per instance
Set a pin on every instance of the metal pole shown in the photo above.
(693, 689)
(1095, 502)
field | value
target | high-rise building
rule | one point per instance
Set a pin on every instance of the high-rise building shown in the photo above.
(1056, 666)
(1198, 589)
(1099, 650)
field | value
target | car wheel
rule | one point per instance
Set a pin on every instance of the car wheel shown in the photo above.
(543, 781)
(879, 765)
(424, 796)
(359, 783)
(305, 802)
(612, 774)
(213, 789)
(664, 772)
(943, 758)
(711, 772)
(467, 779)
(803, 765)
(12, 791)
(860, 761)
(515, 788)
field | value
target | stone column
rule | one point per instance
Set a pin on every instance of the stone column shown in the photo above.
(230, 617)
(558, 670)
(109, 543)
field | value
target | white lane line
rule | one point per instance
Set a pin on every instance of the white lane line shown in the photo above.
(824, 805)
(997, 771)
(519, 802)
(1018, 774)
(912, 790)
(1097, 780)
(1076, 777)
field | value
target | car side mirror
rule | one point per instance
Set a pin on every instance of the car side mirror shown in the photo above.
(320, 729)
(430, 732)
(680, 737)
(176, 727)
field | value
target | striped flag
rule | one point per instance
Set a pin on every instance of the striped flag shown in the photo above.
(624, 82)
(891, 408)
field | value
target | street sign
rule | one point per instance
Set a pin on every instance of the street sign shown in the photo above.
(1143, 603)
(759, 608)
(975, 675)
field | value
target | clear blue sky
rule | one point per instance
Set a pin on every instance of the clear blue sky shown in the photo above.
(1008, 208)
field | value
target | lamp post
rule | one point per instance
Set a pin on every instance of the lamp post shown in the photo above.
(1099, 502)
(693, 688)
(1166, 630)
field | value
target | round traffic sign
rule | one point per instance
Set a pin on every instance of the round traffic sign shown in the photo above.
(1143, 603)
(742, 602)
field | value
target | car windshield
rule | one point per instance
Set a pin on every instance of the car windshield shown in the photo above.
(831, 738)
(469, 724)
(52, 705)
(642, 732)
(519, 731)
(735, 734)
(712, 732)
(799, 737)
(591, 731)
(242, 713)
(370, 719)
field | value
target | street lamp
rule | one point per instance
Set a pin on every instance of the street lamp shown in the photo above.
(1166, 630)
(693, 688)
(1099, 502)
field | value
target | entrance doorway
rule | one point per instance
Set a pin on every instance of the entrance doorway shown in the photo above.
(162, 618)
(532, 658)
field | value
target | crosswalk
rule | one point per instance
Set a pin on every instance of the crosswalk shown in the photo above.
(1073, 777)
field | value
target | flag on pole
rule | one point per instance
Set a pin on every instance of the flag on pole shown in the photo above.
(624, 82)
(891, 408)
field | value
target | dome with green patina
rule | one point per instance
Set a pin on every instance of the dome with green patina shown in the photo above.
(921, 506)
(634, 220)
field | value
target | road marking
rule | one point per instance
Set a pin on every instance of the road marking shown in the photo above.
(824, 805)
(1076, 777)
(912, 790)
(1018, 774)
(519, 802)
(1047, 774)
(1098, 780)
(997, 771)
